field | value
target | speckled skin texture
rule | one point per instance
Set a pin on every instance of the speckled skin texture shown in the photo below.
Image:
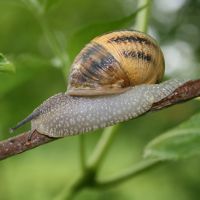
(64, 115)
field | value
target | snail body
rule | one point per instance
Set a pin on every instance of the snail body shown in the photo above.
(111, 80)
(115, 62)
(64, 115)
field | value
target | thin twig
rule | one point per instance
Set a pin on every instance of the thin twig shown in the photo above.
(21, 143)
(185, 92)
(29, 140)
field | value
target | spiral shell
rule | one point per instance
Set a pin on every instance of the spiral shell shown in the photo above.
(114, 62)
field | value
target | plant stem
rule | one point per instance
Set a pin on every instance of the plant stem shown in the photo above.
(38, 12)
(108, 133)
(82, 152)
(131, 172)
(88, 178)
(53, 43)
(102, 147)
(143, 15)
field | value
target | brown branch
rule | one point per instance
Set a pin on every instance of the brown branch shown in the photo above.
(29, 140)
(187, 91)
(21, 143)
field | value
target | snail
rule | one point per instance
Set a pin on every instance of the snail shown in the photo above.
(113, 79)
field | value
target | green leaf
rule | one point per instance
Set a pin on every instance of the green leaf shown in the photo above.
(85, 34)
(28, 66)
(41, 6)
(37, 6)
(50, 4)
(179, 143)
(5, 65)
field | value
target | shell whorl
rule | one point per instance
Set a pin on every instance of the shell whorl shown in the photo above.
(114, 62)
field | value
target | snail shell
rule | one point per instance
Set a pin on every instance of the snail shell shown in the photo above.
(114, 62)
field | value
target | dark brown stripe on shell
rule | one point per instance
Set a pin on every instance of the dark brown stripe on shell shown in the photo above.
(99, 59)
(137, 54)
(100, 64)
(124, 39)
(90, 51)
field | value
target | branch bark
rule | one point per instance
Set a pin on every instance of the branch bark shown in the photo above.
(29, 140)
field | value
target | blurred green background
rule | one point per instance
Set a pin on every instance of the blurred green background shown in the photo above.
(39, 37)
